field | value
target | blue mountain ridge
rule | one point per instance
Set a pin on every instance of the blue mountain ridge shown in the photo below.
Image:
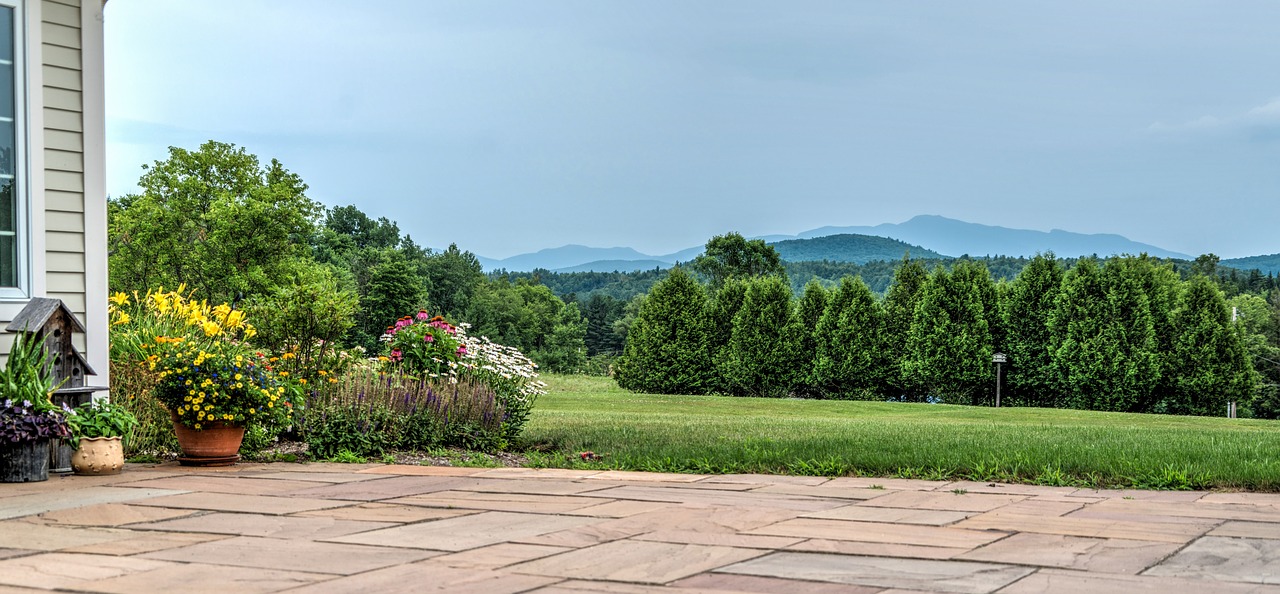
(934, 233)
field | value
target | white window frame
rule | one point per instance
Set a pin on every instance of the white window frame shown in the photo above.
(22, 164)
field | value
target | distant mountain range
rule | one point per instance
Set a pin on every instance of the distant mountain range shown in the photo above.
(925, 236)
(1269, 264)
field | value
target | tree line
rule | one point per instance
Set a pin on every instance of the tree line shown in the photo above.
(1125, 334)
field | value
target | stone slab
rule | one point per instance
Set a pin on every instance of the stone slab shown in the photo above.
(746, 541)
(850, 547)
(467, 532)
(513, 502)
(38, 503)
(288, 527)
(297, 555)
(109, 514)
(943, 501)
(316, 477)
(386, 512)
(48, 537)
(1136, 494)
(933, 536)
(824, 490)
(419, 470)
(390, 487)
(1051, 581)
(730, 582)
(230, 502)
(6, 552)
(942, 576)
(416, 578)
(1160, 532)
(1197, 509)
(237, 484)
(69, 571)
(647, 477)
(538, 473)
(1099, 555)
(1272, 499)
(1247, 530)
(767, 479)
(864, 513)
(636, 561)
(887, 483)
(196, 578)
(496, 556)
(146, 542)
(619, 509)
(1008, 489)
(1221, 558)
(717, 498)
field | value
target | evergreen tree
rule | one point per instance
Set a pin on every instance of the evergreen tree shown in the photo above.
(1105, 357)
(721, 310)
(1161, 286)
(1211, 366)
(949, 346)
(1028, 341)
(851, 361)
(666, 345)
(809, 311)
(601, 311)
(764, 348)
(899, 310)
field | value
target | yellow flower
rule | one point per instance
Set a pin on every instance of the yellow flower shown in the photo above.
(119, 299)
(196, 426)
(121, 318)
(211, 328)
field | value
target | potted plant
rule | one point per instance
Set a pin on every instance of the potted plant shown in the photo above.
(28, 420)
(213, 382)
(98, 429)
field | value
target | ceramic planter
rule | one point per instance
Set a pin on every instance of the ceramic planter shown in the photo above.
(98, 455)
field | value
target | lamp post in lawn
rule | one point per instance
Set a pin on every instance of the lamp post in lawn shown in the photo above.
(999, 359)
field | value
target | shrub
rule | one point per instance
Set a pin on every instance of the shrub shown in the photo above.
(367, 413)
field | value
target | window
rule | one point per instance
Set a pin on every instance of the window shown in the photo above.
(14, 236)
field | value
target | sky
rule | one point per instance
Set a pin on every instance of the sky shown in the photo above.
(511, 126)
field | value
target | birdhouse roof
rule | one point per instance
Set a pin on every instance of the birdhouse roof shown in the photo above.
(38, 312)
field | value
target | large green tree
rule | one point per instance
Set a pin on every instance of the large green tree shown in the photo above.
(851, 359)
(949, 347)
(1209, 358)
(214, 219)
(731, 255)
(1105, 353)
(809, 310)
(1028, 342)
(666, 344)
(900, 302)
(764, 357)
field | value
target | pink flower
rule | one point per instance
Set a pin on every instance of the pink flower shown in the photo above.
(423, 315)
(396, 355)
(429, 338)
(403, 322)
(462, 349)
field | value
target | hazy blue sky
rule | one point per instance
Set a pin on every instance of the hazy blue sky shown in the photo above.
(512, 126)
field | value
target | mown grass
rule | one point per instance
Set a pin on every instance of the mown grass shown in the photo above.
(711, 434)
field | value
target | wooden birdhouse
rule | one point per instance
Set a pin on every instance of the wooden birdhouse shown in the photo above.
(50, 321)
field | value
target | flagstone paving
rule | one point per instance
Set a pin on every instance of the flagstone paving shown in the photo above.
(339, 528)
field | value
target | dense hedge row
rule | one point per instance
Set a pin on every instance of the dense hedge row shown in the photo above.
(1127, 334)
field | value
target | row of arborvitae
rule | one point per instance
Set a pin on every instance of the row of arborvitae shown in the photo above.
(1124, 335)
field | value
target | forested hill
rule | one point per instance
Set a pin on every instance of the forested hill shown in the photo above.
(849, 247)
(1269, 264)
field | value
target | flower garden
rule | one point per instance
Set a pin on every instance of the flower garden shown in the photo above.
(176, 359)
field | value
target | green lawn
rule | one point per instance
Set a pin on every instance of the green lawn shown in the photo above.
(712, 434)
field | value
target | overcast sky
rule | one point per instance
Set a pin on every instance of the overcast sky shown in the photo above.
(512, 126)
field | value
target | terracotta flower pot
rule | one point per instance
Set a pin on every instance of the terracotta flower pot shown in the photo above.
(215, 444)
(98, 455)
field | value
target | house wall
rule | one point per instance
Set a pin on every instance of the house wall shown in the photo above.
(66, 160)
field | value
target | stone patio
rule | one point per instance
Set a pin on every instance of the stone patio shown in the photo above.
(373, 528)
